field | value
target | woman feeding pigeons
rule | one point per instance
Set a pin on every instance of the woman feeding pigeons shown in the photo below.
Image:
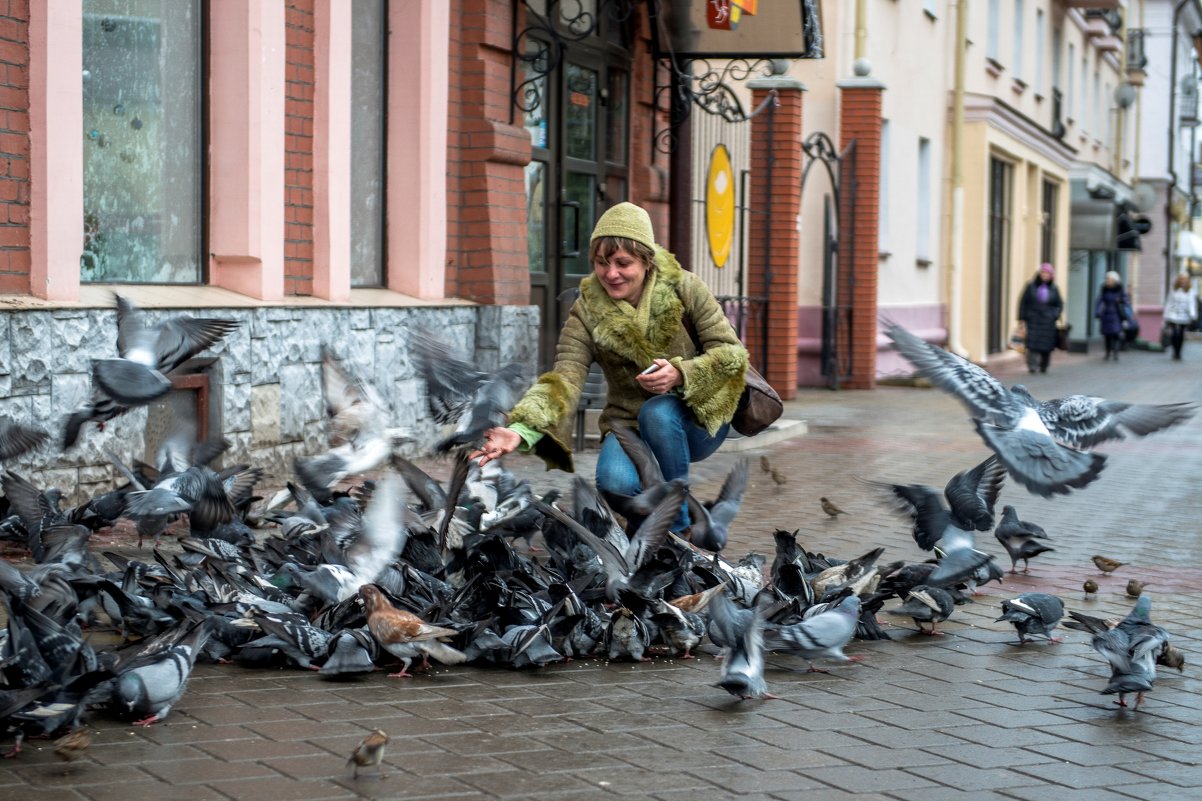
(672, 362)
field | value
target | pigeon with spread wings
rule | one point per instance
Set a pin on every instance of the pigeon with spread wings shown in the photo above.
(1041, 444)
(459, 394)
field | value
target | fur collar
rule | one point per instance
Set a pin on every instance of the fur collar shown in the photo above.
(618, 332)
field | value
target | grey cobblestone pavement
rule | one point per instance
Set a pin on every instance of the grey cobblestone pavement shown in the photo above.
(969, 715)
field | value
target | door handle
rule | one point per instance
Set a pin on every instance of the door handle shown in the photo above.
(564, 251)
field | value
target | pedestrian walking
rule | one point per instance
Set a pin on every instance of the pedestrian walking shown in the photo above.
(1109, 309)
(1180, 311)
(1038, 311)
(673, 364)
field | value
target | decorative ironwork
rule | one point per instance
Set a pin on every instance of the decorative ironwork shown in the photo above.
(553, 26)
(837, 284)
(699, 83)
(1137, 57)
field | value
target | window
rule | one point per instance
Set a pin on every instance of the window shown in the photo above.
(369, 65)
(1096, 111)
(143, 84)
(1018, 39)
(991, 43)
(922, 247)
(883, 221)
(1039, 48)
(1001, 176)
(1047, 224)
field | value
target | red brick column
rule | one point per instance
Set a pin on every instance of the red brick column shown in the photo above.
(14, 149)
(859, 223)
(772, 228)
(298, 147)
(487, 260)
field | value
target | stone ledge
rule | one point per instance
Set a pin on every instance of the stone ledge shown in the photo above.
(779, 431)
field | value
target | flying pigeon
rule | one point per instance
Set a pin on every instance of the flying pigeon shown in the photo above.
(148, 352)
(710, 522)
(742, 631)
(1043, 445)
(18, 438)
(971, 495)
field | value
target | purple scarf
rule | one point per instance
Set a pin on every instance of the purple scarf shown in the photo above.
(1041, 292)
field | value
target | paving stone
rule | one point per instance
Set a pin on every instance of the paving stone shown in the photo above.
(1087, 754)
(521, 783)
(858, 779)
(1081, 776)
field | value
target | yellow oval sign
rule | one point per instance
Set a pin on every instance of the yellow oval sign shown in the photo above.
(720, 206)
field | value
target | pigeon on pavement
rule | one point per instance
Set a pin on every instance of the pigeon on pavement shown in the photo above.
(1033, 613)
(1042, 445)
(823, 635)
(926, 604)
(1131, 647)
(742, 631)
(1020, 539)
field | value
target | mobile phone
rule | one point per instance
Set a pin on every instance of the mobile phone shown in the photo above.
(651, 369)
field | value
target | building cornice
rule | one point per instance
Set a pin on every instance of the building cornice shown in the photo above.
(1007, 119)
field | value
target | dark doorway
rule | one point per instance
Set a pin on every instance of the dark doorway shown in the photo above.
(1001, 177)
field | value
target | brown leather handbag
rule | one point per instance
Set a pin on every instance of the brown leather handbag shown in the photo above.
(759, 406)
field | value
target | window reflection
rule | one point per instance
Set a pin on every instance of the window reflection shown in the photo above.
(369, 64)
(142, 135)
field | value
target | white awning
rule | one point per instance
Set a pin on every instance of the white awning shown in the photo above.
(1189, 245)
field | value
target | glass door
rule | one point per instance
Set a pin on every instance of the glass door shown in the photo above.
(579, 132)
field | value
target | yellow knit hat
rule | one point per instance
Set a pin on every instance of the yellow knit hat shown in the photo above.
(626, 220)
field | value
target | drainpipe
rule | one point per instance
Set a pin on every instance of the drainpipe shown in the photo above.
(861, 29)
(954, 264)
(1120, 111)
(1168, 207)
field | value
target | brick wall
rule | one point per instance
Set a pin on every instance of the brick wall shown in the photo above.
(298, 157)
(486, 155)
(860, 119)
(14, 146)
(776, 137)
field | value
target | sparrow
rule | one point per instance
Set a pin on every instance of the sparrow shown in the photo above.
(1171, 657)
(1107, 565)
(71, 745)
(404, 634)
(830, 508)
(369, 751)
(777, 476)
(1135, 587)
(1090, 586)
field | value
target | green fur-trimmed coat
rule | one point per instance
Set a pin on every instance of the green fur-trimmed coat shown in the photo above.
(598, 330)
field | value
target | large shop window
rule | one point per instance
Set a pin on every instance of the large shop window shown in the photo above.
(143, 86)
(368, 92)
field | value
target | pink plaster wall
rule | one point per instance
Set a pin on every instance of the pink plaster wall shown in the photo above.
(927, 321)
(332, 151)
(246, 150)
(418, 56)
(56, 149)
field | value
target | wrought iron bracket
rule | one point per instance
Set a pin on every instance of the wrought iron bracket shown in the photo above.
(704, 85)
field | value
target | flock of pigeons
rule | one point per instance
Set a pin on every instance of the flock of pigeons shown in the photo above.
(342, 574)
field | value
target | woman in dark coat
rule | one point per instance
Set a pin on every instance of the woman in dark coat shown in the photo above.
(1111, 311)
(1039, 310)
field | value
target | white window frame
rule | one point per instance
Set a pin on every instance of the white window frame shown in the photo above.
(1016, 69)
(922, 242)
(991, 28)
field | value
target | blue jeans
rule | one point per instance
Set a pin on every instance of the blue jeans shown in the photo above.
(668, 427)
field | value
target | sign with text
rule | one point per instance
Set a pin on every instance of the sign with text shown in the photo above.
(741, 28)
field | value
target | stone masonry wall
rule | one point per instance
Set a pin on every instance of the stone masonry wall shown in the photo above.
(265, 380)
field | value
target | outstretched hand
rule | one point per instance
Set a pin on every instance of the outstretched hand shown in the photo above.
(497, 442)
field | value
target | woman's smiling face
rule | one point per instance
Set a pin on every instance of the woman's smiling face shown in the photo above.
(622, 275)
